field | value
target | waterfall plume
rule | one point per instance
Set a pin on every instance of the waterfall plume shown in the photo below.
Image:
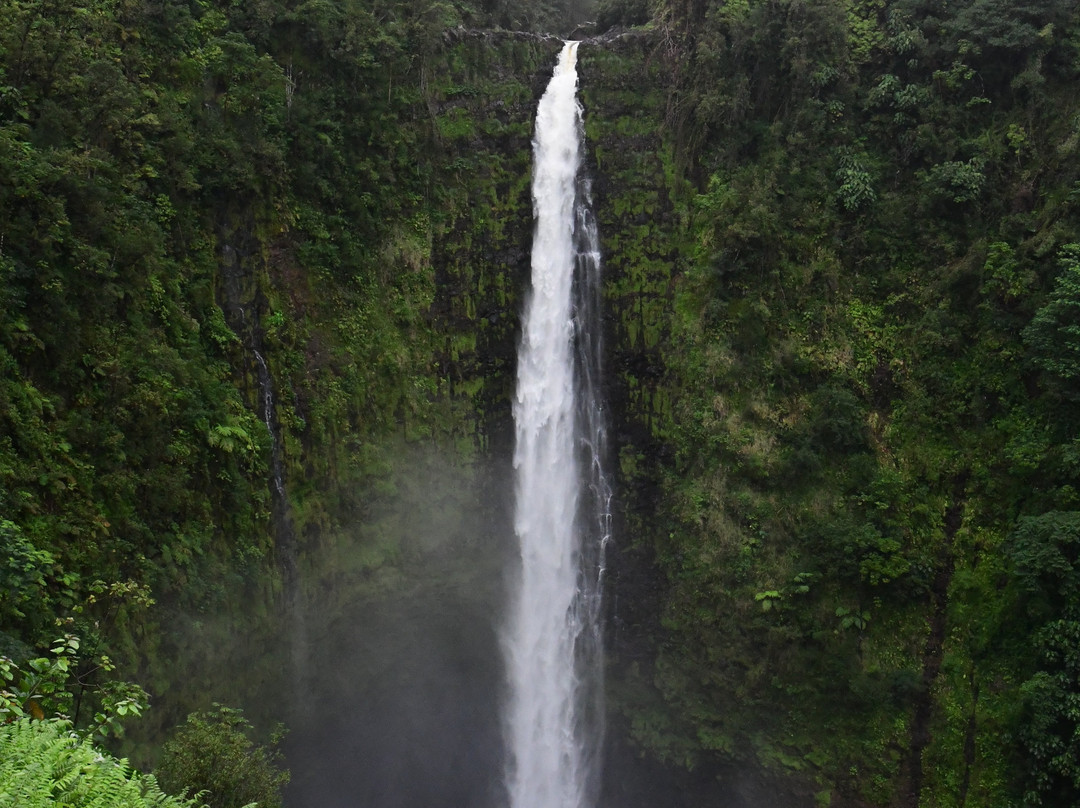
(553, 644)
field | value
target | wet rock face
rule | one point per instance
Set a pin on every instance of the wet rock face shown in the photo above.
(482, 107)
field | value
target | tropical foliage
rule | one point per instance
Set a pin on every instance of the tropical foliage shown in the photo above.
(44, 764)
(252, 253)
(212, 755)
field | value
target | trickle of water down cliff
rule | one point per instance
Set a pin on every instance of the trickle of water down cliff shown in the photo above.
(554, 712)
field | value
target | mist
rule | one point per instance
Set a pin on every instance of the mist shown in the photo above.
(396, 681)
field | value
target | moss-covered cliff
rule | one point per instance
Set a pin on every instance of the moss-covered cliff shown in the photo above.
(867, 477)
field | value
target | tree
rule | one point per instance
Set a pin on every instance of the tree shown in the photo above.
(1006, 23)
(1044, 551)
(1054, 332)
(213, 755)
(55, 687)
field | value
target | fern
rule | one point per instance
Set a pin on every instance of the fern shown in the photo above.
(43, 764)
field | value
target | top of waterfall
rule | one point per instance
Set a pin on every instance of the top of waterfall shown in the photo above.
(568, 60)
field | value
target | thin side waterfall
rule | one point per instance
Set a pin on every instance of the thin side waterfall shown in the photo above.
(553, 642)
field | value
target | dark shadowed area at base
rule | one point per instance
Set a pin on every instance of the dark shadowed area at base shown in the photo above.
(402, 707)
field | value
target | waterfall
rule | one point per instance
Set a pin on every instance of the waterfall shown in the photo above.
(554, 714)
(286, 532)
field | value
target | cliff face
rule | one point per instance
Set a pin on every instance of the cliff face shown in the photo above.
(482, 109)
(643, 204)
(845, 530)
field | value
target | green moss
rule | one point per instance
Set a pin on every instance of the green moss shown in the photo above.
(456, 125)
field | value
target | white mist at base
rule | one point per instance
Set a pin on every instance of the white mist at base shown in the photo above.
(553, 717)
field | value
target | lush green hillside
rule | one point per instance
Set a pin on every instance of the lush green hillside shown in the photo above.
(865, 524)
(260, 263)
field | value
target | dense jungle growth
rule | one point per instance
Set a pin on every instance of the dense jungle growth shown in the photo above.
(260, 261)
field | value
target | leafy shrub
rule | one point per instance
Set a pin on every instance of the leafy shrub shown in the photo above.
(856, 181)
(611, 13)
(960, 182)
(1053, 333)
(213, 755)
(1043, 550)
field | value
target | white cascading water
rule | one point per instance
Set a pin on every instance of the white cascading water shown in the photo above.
(554, 714)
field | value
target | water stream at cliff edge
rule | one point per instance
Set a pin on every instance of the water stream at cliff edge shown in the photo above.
(552, 643)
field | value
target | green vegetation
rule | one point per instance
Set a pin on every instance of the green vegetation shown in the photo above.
(213, 756)
(864, 525)
(257, 258)
(44, 764)
(62, 684)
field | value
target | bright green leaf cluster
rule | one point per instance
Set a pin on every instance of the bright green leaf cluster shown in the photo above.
(43, 764)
